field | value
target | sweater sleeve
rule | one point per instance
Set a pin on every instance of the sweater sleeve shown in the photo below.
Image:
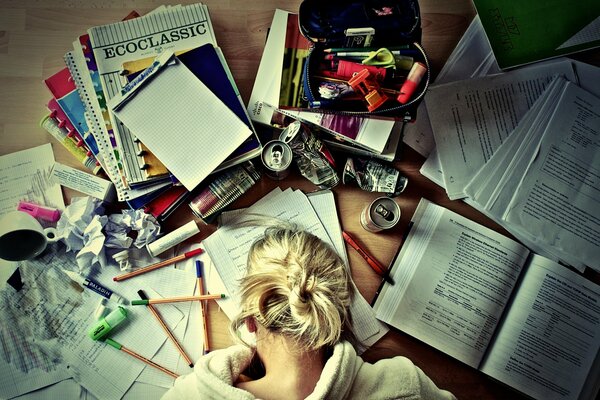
(396, 378)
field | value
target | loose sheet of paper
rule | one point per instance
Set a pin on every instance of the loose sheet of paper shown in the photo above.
(26, 175)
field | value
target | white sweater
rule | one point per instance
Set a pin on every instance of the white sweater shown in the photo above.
(345, 376)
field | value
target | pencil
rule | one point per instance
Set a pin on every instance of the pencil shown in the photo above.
(177, 299)
(364, 49)
(158, 265)
(203, 306)
(373, 263)
(166, 328)
(119, 346)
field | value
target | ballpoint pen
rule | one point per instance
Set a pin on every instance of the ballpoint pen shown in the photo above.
(373, 263)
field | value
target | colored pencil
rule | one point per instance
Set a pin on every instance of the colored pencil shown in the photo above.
(373, 263)
(203, 306)
(119, 346)
(162, 323)
(177, 299)
(158, 265)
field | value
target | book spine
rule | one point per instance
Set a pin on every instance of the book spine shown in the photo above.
(52, 126)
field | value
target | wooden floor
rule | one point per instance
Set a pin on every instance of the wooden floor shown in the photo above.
(34, 36)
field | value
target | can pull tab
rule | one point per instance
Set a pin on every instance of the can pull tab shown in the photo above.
(276, 156)
(384, 212)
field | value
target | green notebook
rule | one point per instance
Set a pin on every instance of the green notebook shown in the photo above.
(525, 31)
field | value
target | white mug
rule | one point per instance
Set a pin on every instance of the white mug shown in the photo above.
(22, 237)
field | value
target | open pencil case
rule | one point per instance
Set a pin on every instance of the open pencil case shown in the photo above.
(340, 27)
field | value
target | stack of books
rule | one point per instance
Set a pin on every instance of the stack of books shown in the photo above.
(278, 88)
(145, 97)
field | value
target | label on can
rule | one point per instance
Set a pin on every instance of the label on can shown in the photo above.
(382, 213)
(277, 158)
(373, 176)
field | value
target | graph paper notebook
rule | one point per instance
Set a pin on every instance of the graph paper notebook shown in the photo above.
(171, 28)
(179, 119)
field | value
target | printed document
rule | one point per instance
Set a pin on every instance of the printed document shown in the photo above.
(471, 119)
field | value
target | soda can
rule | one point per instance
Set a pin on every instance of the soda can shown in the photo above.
(277, 158)
(382, 213)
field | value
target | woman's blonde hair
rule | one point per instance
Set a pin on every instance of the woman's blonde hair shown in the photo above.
(296, 285)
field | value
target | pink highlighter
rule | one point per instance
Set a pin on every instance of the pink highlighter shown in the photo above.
(37, 211)
(412, 81)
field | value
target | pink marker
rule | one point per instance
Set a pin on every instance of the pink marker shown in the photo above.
(412, 81)
(37, 211)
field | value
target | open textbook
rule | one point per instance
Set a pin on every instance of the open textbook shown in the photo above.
(489, 302)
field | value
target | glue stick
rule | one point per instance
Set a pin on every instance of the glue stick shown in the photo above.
(174, 238)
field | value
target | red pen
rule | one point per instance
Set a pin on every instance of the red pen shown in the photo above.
(160, 264)
(373, 263)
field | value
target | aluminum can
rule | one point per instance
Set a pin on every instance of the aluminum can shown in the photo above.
(382, 213)
(277, 159)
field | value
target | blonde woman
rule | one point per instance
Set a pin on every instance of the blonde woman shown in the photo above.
(295, 298)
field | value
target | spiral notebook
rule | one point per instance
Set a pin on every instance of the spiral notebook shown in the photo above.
(173, 28)
(168, 97)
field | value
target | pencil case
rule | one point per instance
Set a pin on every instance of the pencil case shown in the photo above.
(380, 29)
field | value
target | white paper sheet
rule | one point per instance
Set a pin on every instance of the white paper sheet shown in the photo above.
(26, 175)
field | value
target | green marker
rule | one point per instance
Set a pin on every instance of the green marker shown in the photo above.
(106, 324)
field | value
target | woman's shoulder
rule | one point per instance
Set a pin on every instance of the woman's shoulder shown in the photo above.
(396, 377)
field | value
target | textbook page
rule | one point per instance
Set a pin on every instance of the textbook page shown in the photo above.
(557, 200)
(550, 337)
(472, 118)
(453, 278)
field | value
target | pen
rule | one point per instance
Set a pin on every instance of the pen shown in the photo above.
(364, 49)
(365, 54)
(156, 314)
(96, 287)
(119, 346)
(373, 263)
(160, 264)
(177, 299)
(203, 307)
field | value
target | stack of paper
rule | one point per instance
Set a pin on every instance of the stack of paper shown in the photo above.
(473, 119)
(178, 117)
(544, 180)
